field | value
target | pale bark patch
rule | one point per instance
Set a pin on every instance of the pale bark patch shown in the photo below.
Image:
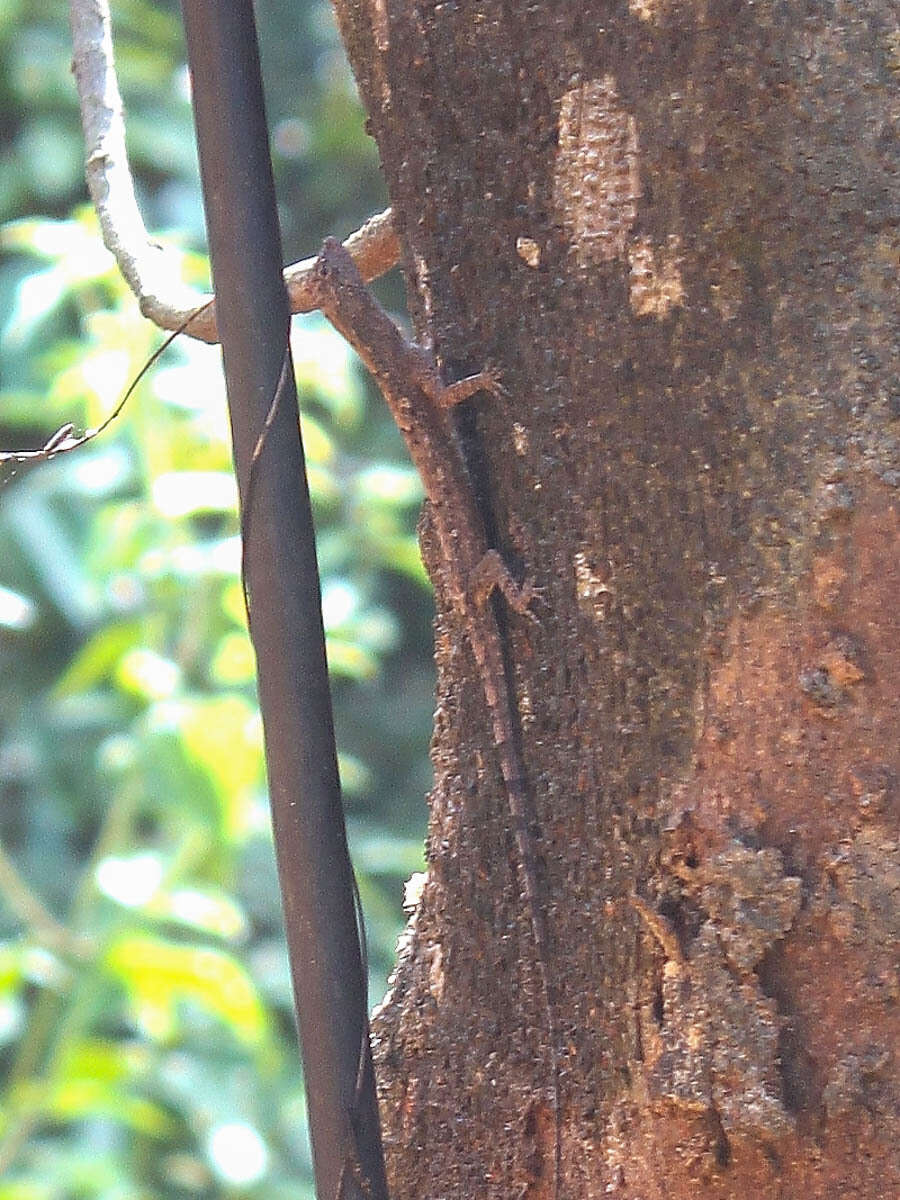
(655, 276)
(597, 182)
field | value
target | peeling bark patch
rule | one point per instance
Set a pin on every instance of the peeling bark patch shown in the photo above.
(381, 36)
(529, 251)
(829, 684)
(797, 749)
(748, 896)
(436, 975)
(380, 26)
(597, 182)
(861, 1081)
(645, 10)
(591, 586)
(655, 277)
(711, 1045)
(828, 578)
(717, 1048)
(859, 898)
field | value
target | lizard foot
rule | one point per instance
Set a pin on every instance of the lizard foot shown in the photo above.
(487, 380)
(492, 572)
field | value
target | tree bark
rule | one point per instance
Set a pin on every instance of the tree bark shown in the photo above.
(674, 227)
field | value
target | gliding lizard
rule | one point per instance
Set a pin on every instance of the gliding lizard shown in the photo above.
(419, 402)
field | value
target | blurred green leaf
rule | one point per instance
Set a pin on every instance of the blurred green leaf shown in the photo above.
(10, 967)
(326, 368)
(87, 1096)
(138, 882)
(388, 483)
(48, 545)
(376, 854)
(234, 661)
(130, 756)
(98, 657)
(158, 976)
(221, 735)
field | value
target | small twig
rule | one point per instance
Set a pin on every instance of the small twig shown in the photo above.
(33, 913)
(162, 298)
(106, 165)
(170, 305)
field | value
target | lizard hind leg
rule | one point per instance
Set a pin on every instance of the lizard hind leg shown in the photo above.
(492, 573)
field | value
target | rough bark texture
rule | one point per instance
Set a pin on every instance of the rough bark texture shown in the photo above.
(674, 226)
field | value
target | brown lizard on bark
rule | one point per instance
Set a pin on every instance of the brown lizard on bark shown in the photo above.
(419, 402)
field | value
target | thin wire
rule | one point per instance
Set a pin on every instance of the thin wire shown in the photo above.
(63, 440)
(351, 1163)
(253, 474)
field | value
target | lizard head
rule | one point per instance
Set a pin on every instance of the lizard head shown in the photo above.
(334, 266)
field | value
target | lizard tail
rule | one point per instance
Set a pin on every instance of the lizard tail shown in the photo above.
(487, 648)
(518, 802)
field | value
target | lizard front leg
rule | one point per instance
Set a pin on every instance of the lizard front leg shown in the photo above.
(447, 395)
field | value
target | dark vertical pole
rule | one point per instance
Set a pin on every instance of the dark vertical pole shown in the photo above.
(283, 583)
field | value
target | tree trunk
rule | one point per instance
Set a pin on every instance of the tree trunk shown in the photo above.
(674, 227)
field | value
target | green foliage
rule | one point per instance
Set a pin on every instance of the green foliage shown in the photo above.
(146, 1030)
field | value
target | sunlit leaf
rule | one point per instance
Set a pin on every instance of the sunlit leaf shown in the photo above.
(10, 966)
(148, 675)
(323, 486)
(402, 554)
(196, 384)
(234, 661)
(17, 612)
(70, 242)
(218, 557)
(184, 493)
(158, 976)
(204, 909)
(107, 1061)
(102, 376)
(356, 778)
(131, 880)
(318, 444)
(27, 1189)
(37, 297)
(233, 603)
(349, 660)
(221, 736)
(238, 1153)
(325, 366)
(94, 1076)
(12, 1018)
(76, 1099)
(96, 661)
(340, 600)
(389, 483)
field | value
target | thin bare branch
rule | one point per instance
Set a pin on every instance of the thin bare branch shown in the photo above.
(35, 915)
(147, 269)
(106, 165)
